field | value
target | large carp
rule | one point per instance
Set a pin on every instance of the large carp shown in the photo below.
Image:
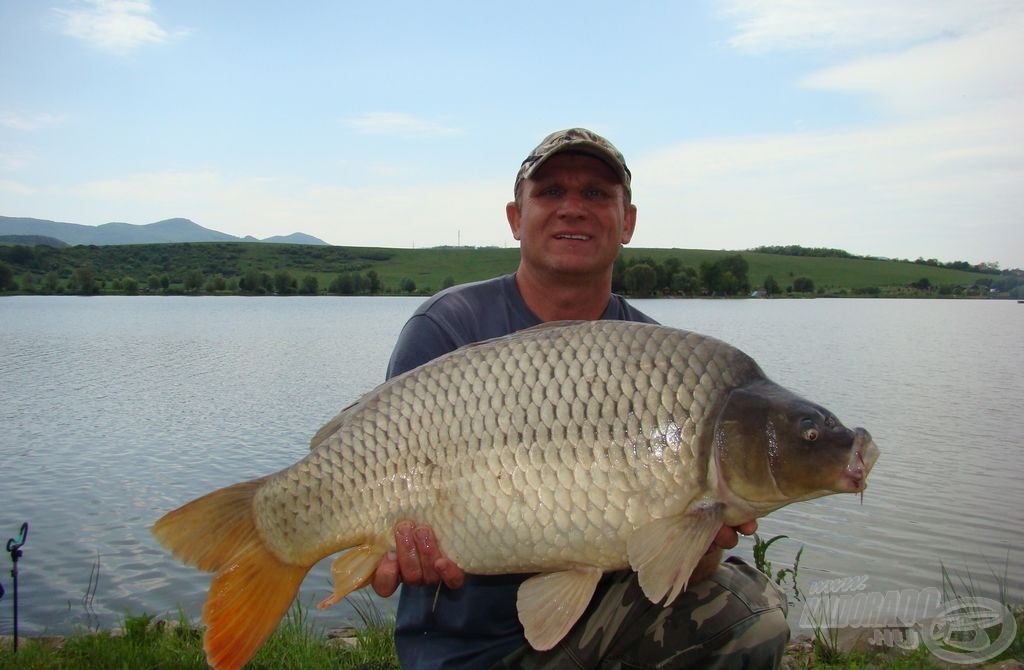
(569, 449)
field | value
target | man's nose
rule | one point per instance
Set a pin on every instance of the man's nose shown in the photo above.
(571, 205)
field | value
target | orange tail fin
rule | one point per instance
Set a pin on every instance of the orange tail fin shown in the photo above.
(252, 588)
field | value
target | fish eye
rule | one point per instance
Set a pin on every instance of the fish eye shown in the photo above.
(809, 430)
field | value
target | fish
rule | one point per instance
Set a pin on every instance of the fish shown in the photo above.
(566, 450)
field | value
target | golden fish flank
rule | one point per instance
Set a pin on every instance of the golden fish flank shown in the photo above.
(569, 449)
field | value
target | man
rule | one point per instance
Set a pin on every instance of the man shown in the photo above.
(571, 213)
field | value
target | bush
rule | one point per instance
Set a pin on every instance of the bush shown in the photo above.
(803, 285)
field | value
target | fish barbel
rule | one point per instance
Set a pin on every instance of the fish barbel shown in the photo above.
(569, 449)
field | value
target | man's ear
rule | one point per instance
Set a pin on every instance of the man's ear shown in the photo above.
(512, 214)
(629, 225)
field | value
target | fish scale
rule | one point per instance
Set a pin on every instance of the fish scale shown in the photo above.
(638, 403)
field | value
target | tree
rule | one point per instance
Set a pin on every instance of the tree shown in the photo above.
(83, 280)
(771, 286)
(130, 285)
(448, 282)
(374, 284)
(6, 277)
(153, 283)
(685, 282)
(28, 283)
(619, 274)
(408, 285)
(922, 284)
(266, 283)
(726, 276)
(310, 285)
(251, 282)
(284, 283)
(51, 282)
(342, 284)
(737, 266)
(216, 283)
(803, 285)
(193, 281)
(641, 280)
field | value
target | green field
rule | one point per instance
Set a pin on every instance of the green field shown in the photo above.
(194, 267)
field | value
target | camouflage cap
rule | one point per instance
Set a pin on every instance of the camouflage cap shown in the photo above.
(578, 140)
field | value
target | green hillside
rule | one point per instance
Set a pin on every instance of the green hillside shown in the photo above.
(239, 267)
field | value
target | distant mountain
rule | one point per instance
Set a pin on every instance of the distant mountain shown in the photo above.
(33, 240)
(294, 238)
(169, 230)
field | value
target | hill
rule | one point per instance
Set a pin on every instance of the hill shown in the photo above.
(33, 240)
(250, 267)
(161, 232)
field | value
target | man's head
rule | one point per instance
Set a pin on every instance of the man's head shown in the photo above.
(572, 209)
(574, 140)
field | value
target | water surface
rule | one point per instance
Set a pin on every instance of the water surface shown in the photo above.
(114, 410)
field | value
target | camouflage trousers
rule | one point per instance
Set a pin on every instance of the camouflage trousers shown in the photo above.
(734, 619)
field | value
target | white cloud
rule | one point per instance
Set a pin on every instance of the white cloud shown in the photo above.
(10, 162)
(27, 122)
(117, 26)
(941, 76)
(938, 174)
(396, 123)
(766, 25)
(947, 188)
(16, 188)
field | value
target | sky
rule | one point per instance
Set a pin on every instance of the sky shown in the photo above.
(890, 128)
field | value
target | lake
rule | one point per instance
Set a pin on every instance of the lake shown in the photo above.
(114, 410)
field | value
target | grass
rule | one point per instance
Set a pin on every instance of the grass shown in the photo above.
(148, 643)
(145, 642)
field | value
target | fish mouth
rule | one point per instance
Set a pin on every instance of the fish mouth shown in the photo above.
(862, 459)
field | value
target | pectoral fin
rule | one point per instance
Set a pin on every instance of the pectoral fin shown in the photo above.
(353, 570)
(551, 603)
(665, 551)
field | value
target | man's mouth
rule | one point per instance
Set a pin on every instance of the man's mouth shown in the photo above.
(572, 236)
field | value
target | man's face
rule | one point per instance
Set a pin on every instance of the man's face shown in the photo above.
(572, 216)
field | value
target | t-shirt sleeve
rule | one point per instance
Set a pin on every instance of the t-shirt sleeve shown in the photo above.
(421, 340)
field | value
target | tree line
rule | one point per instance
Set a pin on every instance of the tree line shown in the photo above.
(234, 268)
(826, 252)
(644, 277)
(83, 281)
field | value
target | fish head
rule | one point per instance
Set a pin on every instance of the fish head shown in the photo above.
(774, 447)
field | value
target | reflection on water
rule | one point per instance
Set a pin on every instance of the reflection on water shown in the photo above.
(115, 410)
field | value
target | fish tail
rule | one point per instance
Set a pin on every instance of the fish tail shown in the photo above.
(252, 587)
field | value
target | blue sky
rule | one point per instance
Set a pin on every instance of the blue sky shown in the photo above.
(890, 128)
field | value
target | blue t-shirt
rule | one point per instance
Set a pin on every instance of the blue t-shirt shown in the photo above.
(477, 625)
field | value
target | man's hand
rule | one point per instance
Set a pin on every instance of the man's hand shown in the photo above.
(727, 538)
(416, 561)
